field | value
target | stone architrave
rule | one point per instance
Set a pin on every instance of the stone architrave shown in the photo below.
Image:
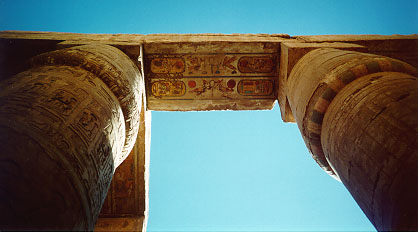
(71, 116)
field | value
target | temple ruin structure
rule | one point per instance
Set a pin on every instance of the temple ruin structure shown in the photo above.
(75, 116)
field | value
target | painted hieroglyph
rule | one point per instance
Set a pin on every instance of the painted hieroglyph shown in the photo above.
(211, 65)
(212, 88)
(211, 76)
(168, 88)
(257, 64)
(217, 76)
(255, 87)
(172, 65)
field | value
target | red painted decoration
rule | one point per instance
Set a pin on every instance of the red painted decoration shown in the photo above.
(192, 84)
(231, 83)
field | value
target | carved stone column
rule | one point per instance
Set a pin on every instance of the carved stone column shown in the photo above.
(358, 115)
(65, 125)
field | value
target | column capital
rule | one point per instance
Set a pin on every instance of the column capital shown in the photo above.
(318, 77)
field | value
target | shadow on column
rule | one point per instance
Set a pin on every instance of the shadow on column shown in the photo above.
(65, 125)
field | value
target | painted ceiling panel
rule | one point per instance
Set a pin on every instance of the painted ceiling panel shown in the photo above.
(217, 75)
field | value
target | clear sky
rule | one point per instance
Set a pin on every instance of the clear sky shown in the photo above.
(230, 171)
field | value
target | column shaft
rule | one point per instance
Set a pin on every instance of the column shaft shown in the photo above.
(64, 128)
(358, 116)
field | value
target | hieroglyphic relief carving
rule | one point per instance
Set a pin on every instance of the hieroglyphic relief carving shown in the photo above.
(211, 86)
(41, 83)
(167, 65)
(209, 75)
(168, 88)
(196, 64)
(258, 87)
(178, 66)
(211, 65)
(79, 122)
(40, 182)
(112, 67)
(254, 64)
(62, 101)
(88, 124)
(42, 117)
(228, 63)
(126, 195)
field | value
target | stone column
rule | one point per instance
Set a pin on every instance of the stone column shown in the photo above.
(65, 125)
(358, 115)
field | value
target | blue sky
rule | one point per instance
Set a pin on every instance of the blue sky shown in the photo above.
(230, 171)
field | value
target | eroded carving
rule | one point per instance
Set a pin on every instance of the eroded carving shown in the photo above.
(255, 87)
(79, 124)
(168, 88)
